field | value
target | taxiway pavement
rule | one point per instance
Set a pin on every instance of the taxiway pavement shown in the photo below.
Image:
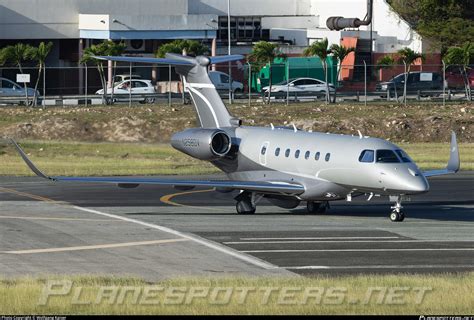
(157, 232)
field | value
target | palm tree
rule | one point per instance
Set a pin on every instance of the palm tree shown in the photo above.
(190, 47)
(340, 52)
(40, 54)
(320, 49)
(407, 56)
(263, 53)
(106, 48)
(386, 62)
(16, 55)
(462, 57)
(184, 47)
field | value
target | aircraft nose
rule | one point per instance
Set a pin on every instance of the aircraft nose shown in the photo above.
(418, 185)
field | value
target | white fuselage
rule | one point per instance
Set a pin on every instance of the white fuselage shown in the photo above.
(327, 165)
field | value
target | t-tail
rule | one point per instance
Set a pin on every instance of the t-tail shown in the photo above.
(211, 110)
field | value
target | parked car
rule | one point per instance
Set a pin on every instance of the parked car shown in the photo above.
(416, 81)
(12, 90)
(122, 77)
(138, 90)
(301, 85)
(221, 82)
(455, 78)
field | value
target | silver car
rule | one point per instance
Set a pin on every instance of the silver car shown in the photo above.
(13, 93)
(141, 91)
(301, 85)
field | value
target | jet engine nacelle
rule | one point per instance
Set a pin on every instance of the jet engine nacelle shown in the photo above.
(202, 144)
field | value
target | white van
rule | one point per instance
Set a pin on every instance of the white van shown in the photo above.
(221, 81)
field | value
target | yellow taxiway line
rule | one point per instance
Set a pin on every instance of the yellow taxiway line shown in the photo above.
(167, 199)
(31, 196)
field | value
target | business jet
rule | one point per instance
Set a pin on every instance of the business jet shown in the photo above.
(282, 164)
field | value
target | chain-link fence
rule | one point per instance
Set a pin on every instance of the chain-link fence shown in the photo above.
(289, 83)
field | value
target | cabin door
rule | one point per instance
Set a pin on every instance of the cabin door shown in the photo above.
(263, 153)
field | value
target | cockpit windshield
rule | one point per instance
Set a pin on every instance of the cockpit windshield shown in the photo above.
(402, 154)
(387, 156)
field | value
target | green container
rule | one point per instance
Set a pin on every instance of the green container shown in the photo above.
(294, 67)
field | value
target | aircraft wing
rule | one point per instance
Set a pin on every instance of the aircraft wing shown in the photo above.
(454, 162)
(276, 187)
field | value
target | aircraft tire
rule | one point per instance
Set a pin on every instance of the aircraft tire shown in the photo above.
(397, 216)
(313, 207)
(244, 207)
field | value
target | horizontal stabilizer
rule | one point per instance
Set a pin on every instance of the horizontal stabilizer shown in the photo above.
(172, 59)
(277, 187)
(223, 59)
(146, 60)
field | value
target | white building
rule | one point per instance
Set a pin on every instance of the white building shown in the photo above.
(73, 25)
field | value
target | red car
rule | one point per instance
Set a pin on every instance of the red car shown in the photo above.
(455, 80)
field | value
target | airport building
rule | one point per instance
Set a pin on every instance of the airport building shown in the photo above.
(144, 25)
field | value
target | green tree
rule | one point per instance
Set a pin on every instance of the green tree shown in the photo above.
(16, 55)
(340, 53)
(386, 62)
(462, 57)
(320, 49)
(188, 47)
(407, 56)
(105, 48)
(445, 22)
(263, 53)
(39, 54)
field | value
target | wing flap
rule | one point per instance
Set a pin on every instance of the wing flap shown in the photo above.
(278, 187)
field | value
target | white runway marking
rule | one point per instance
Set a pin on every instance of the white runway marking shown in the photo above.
(51, 218)
(318, 238)
(358, 250)
(420, 266)
(95, 247)
(344, 241)
(231, 252)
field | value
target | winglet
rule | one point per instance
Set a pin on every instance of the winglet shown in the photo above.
(29, 163)
(454, 162)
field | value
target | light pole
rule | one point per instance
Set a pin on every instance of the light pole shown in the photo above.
(229, 51)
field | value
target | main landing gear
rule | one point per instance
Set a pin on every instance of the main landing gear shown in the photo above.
(247, 202)
(397, 214)
(317, 207)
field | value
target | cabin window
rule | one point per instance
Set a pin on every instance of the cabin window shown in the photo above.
(277, 152)
(328, 156)
(297, 154)
(367, 156)
(387, 156)
(317, 155)
(402, 154)
(287, 153)
(264, 150)
(307, 154)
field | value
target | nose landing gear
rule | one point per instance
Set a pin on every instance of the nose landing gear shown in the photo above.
(397, 215)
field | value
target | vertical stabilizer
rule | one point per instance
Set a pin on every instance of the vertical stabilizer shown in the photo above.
(211, 111)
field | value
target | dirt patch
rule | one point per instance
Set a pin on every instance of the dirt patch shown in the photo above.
(415, 123)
